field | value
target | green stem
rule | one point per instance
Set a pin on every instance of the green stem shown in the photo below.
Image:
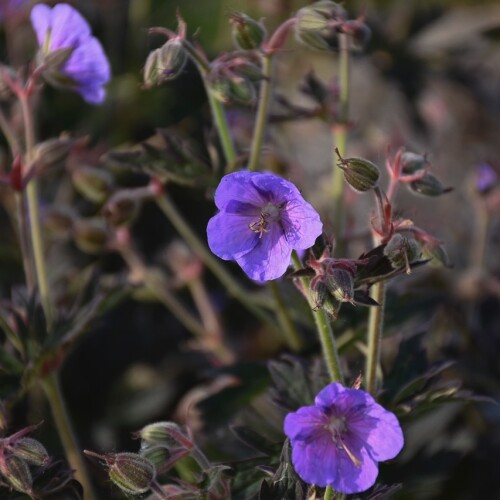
(50, 385)
(375, 328)
(34, 214)
(325, 332)
(339, 135)
(260, 120)
(289, 331)
(216, 107)
(232, 286)
(328, 493)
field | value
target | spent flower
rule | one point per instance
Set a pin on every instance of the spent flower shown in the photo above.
(72, 57)
(339, 441)
(262, 218)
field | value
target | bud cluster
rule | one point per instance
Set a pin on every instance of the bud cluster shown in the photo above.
(17, 454)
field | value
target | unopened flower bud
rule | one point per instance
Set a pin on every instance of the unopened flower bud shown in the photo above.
(167, 434)
(402, 251)
(315, 24)
(16, 471)
(165, 63)
(319, 291)
(247, 33)
(93, 183)
(90, 235)
(31, 451)
(53, 152)
(428, 185)
(340, 284)
(121, 209)
(233, 88)
(131, 473)
(437, 252)
(362, 175)
(58, 221)
(412, 162)
(157, 455)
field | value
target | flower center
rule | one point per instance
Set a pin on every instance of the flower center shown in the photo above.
(337, 428)
(270, 213)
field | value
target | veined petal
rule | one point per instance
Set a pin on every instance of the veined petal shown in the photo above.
(316, 462)
(305, 423)
(238, 187)
(229, 235)
(68, 27)
(328, 396)
(276, 188)
(270, 257)
(41, 21)
(301, 223)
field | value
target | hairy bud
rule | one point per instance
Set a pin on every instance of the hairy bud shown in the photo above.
(362, 175)
(121, 209)
(340, 284)
(167, 434)
(53, 152)
(402, 251)
(428, 185)
(247, 33)
(90, 235)
(132, 473)
(412, 162)
(92, 183)
(31, 451)
(233, 88)
(17, 473)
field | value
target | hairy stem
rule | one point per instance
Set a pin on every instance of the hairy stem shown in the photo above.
(260, 120)
(52, 389)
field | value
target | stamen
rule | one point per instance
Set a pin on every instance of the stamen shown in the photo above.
(350, 454)
(260, 226)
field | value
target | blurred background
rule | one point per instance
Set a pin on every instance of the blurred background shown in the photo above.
(429, 80)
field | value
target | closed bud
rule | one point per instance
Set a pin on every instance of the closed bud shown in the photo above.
(31, 451)
(437, 252)
(233, 88)
(318, 291)
(172, 59)
(412, 162)
(90, 235)
(93, 183)
(17, 473)
(428, 185)
(167, 434)
(402, 251)
(247, 33)
(121, 209)
(157, 455)
(59, 221)
(340, 284)
(132, 473)
(151, 73)
(362, 175)
(53, 152)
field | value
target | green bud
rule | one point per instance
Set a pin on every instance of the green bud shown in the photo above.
(437, 252)
(318, 292)
(151, 74)
(30, 450)
(412, 162)
(234, 88)
(362, 175)
(131, 473)
(340, 284)
(53, 152)
(165, 64)
(402, 251)
(59, 221)
(428, 185)
(167, 434)
(157, 455)
(90, 235)
(17, 473)
(92, 183)
(121, 209)
(247, 33)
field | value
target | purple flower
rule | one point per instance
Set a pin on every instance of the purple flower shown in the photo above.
(339, 440)
(486, 177)
(262, 219)
(85, 69)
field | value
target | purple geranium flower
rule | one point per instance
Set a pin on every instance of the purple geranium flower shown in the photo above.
(338, 441)
(486, 177)
(262, 219)
(86, 68)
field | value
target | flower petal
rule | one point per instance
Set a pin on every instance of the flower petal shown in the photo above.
(305, 423)
(301, 223)
(229, 235)
(270, 257)
(274, 188)
(316, 461)
(328, 396)
(41, 21)
(68, 27)
(238, 187)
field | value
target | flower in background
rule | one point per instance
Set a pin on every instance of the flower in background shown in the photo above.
(73, 58)
(486, 177)
(338, 441)
(262, 219)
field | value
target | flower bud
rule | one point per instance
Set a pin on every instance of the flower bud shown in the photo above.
(131, 473)
(53, 152)
(157, 455)
(402, 251)
(233, 88)
(167, 434)
(319, 291)
(121, 209)
(58, 221)
(315, 24)
(31, 451)
(93, 183)
(165, 63)
(247, 33)
(428, 185)
(412, 162)
(90, 235)
(437, 252)
(362, 175)
(17, 473)
(340, 284)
